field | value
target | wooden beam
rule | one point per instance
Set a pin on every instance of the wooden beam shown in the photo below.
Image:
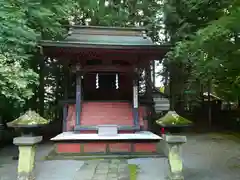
(108, 68)
(118, 52)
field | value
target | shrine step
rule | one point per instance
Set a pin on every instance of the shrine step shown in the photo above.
(96, 113)
(100, 113)
(142, 143)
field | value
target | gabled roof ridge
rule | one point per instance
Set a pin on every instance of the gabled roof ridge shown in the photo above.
(109, 28)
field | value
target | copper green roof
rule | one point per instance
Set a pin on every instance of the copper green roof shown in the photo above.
(98, 36)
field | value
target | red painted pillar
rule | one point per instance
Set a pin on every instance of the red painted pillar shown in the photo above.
(78, 94)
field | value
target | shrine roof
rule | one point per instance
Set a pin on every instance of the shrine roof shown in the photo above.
(97, 36)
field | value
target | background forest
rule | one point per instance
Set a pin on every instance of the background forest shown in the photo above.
(204, 34)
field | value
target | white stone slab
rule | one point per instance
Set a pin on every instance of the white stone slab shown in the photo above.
(175, 139)
(132, 136)
(27, 140)
(107, 130)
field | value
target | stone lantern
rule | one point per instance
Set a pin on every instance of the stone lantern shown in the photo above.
(27, 124)
(173, 141)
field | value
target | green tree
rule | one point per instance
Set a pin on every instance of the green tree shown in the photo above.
(23, 24)
(203, 33)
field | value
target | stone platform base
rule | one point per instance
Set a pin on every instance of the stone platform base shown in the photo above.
(125, 144)
(106, 147)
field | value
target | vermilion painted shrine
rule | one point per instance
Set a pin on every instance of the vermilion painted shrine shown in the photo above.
(102, 110)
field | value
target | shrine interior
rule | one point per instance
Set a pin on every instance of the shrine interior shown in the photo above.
(106, 86)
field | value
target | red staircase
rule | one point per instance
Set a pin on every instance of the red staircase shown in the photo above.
(97, 113)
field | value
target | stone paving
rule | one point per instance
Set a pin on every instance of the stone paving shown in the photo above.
(112, 169)
(73, 170)
(206, 157)
(99, 169)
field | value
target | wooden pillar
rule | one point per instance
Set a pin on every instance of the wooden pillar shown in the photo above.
(78, 95)
(209, 103)
(65, 113)
(135, 100)
(148, 81)
(65, 94)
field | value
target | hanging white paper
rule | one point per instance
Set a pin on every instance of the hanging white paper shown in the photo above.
(135, 97)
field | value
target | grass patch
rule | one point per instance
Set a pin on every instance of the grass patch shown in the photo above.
(227, 135)
(236, 166)
(133, 171)
(236, 135)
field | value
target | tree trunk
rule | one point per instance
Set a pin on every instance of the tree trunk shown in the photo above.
(149, 96)
(148, 82)
(209, 104)
(41, 91)
(32, 102)
(154, 74)
(58, 90)
(171, 88)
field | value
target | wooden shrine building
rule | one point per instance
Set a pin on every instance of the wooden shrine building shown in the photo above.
(102, 112)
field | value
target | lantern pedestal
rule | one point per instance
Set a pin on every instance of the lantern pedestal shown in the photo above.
(27, 151)
(174, 153)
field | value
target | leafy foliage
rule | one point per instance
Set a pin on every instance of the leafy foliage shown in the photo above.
(120, 13)
(207, 43)
(14, 79)
(23, 24)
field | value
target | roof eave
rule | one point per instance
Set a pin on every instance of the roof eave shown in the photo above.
(61, 44)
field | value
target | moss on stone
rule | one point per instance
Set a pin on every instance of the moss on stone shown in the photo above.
(29, 118)
(172, 118)
(133, 171)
